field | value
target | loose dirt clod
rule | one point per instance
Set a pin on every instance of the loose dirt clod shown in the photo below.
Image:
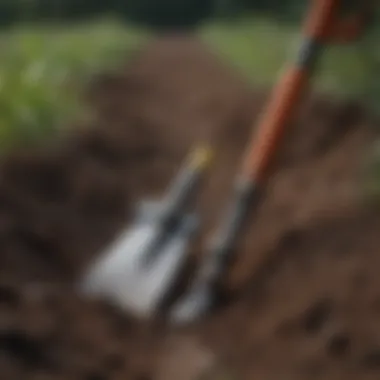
(304, 288)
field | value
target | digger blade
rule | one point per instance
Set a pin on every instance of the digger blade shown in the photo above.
(124, 275)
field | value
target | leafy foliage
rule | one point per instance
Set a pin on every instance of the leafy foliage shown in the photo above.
(41, 73)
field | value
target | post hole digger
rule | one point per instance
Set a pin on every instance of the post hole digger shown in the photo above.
(143, 264)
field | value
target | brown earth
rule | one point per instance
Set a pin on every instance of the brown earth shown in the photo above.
(306, 294)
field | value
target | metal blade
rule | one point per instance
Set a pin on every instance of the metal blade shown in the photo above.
(119, 277)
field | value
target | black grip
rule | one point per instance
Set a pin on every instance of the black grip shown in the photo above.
(181, 192)
(180, 195)
(223, 243)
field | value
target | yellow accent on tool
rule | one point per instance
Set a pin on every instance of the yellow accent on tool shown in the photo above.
(201, 157)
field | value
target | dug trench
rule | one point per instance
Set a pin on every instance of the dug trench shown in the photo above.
(304, 287)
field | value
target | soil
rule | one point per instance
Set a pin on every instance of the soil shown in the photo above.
(304, 289)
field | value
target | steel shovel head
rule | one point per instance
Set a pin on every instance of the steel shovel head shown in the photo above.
(121, 276)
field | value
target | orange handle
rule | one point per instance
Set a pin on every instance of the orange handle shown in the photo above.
(318, 29)
(273, 123)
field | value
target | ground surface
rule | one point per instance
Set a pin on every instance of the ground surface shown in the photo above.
(308, 263)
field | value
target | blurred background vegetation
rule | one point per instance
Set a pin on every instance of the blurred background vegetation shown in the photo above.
(49, 48)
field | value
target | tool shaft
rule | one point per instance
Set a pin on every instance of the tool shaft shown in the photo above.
(186, 182)
(272, 124)
(179, 196)
(261, 151)
(225, 237)
(267, 138)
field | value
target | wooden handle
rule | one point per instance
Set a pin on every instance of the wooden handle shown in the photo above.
(273, 123)
(318, 30)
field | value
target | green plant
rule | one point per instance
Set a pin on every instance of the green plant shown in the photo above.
(42, 72)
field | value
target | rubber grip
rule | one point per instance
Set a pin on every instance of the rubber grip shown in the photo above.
(273, 123)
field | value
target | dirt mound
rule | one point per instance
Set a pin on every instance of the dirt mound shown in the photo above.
(306, 294)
